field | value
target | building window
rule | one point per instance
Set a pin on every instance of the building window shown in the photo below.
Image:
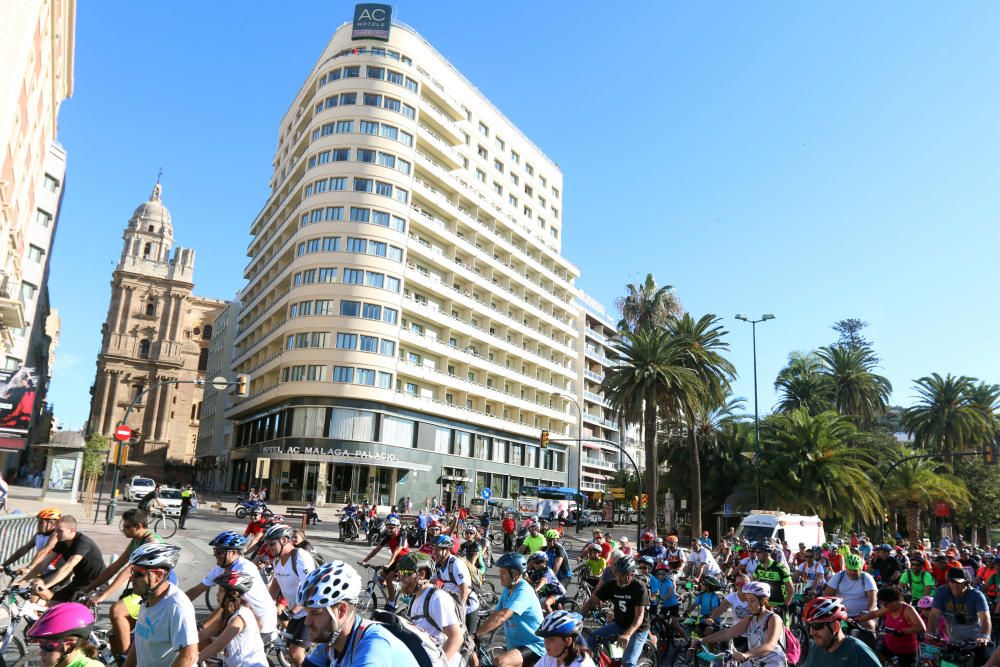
(343, 374)
(346, 341)
(50, 183)
(28, 291)
(42, 218)
(371, 311)
(384, 380)
(350, 308)
(144, 349)
(354, 276)
(387, 347)
(366, 376)
(151, 307)
(207, 333)
(483, 130)
(203, 360)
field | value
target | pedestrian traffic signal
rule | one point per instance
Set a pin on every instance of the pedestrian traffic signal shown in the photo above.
(990, 453)
(544, 440)
(242, 386)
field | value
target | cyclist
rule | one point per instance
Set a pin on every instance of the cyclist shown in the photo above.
(917, 581)
(254, 531)
(594, 565)
(649, 547)
(812, 572)
(884, 566)
(674, 552)
(343, 639)
(749, 562)
(432, 609)
(228, 547)
(558, 558)
(454, 576)
(764, 630)
(125, 610)
(520, 614)
(831, 647)
(563, 645)
(240, 638)
(966, 611)
(291, 566)
(775, 575)
(166, 632)
(472, 551)
(663, 596)
(707, 599)
(42, 542)
(533, 541)
(630, 599)
(855, 588)
(151, 501)
(902, 625)
(395, 542)
(433, 532)
(80, 558)
(61, 634)
(544, 581)
(735, 601)
(703, 562)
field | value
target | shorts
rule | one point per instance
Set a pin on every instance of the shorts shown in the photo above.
(298, 633)
(132, 603)
(671, 612)
(528, 657)
(66, 593)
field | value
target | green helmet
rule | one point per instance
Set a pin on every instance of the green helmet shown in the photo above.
(414, 561)
(551, 534)
(853, 562)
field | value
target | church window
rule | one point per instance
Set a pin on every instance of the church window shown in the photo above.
(144, 349)
(151, 228)
(147, 250)
(203, 359)
(207, 333)
(151, 307)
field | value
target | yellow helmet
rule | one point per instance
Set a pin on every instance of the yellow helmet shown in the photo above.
(50, 513)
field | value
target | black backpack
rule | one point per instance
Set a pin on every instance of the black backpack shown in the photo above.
(468, 644)
(425, 650)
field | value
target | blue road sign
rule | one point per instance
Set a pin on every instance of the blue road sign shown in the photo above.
(486, 493)
(727, 509)
(459, 489)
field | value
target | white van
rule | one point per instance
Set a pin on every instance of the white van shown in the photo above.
(762, 525)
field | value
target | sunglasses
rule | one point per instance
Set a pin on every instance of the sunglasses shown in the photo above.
(143, 571)
(818, 626)
(219, 552)
(405, 573)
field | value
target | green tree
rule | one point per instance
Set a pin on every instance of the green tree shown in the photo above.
(947, 417)
(646, 305)
(801, 384)
(914, 485)
(849, 332)
(983, 483)
(651, 377)
(855, 389)
(812, 465)
(95, 451)
(702, 342)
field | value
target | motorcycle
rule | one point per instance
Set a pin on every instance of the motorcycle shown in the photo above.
(376, 527)
(348, 528)
(245, 507)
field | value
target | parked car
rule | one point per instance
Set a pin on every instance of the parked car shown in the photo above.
(138, 487)
(171, 501)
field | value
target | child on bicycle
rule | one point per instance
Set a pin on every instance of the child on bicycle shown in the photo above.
(593, 565)
(544, 581)
(61, 634)
(472, 549)
(707, 598)
(239, 641)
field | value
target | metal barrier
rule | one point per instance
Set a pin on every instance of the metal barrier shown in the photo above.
(15, 530)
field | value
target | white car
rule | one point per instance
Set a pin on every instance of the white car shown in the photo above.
(138, 487)
(171, 501)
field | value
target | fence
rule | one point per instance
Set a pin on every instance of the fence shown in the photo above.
(15, 530)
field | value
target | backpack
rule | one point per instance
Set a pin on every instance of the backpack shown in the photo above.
(475, 579)
(468, 645)
(790, 645)
(424, 649)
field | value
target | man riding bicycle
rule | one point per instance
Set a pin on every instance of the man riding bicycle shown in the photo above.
(395, 542)
(42, 541)
(776, 576)
(81, 562)
(965, 610)
(831, 647)
(630, 599)
(431, 608)
(520, 614)
(855, 588)
(291, 567)
(166, 632)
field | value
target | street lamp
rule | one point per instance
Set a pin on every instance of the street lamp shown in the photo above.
(579, 457)
(756, 418)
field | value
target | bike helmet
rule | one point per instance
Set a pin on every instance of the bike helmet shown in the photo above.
(672, 539)
(470, 529)
(646, 560)
(274, 520)
(625, 565)
(159, 555)
(711, 583)
(759, 546)
(444, 542)
(278, 531)
(329, 584)
(241, 582)
(512, 561)
(560, 623)
(414, 561)
(925, 602)
(758, 588)
(69, 619)
(853, 562)
(661, 567)
(552, 534)
(825, 610)
(434, 523)
(50, 514)
(538, 557)
(392, 521)
(229, 540)
(647, 536)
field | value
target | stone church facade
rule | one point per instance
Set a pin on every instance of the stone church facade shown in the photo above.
(156, 330)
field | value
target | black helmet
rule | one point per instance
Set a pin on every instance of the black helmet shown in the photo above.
(625, 565)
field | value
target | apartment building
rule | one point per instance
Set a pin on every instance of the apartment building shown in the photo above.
(214, 431)
(408, 321)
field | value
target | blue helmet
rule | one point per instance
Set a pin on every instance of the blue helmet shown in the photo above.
(444, 542)
(512, 561)
(229, 540)
(560, 624)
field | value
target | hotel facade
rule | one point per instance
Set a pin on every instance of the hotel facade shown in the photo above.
(408, 323)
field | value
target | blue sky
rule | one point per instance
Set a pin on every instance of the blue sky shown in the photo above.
(813, 160)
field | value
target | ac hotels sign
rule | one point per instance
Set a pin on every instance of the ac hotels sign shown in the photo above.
(371, 22)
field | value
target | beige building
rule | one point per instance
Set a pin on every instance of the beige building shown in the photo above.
(408, 320)
(156, 330)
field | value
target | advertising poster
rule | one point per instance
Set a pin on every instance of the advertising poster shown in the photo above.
(61, 474)
(17, 399)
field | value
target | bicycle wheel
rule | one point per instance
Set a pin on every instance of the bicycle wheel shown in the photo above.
(648, 656)
(165, 527)
(280, 653)
(14, 652)
(567, 604)
(210, 599)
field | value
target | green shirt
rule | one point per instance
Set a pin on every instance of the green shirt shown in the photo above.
(81, 660)
(851, 653)
(919, 584)
(776, 576)
(137, 542)
(534, 543)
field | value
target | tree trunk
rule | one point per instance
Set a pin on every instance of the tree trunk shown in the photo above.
(913, 522)
(652, 469)
(695, 482)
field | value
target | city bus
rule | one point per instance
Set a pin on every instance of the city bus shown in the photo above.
(546, 501)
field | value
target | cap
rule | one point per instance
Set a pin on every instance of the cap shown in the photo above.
(957, 575)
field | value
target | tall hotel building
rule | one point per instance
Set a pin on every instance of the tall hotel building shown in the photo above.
(408, 323)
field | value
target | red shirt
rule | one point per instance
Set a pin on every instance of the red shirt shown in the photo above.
(508, 526)
(255, 527)
(836, 561)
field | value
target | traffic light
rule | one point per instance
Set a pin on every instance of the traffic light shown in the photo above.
(990, 453)
(543, 441)
(242, 386)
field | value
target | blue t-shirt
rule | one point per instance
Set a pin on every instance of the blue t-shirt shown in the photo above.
(519, 629)
(962, 614)
(372, 646)
(706, 602)
(665, 590)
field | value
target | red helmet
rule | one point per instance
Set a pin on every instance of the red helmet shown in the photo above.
(647, 536)
(824, 610)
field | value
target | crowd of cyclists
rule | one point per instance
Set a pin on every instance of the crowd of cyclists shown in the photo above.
(846, 602)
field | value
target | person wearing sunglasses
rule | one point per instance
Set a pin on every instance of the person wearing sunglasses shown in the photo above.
(166, 632)
(966, 611)
(763, 628)
(291, 566)
(240, 641)
(61, 634)
(42, 541)
(830, 646)
(432, 609)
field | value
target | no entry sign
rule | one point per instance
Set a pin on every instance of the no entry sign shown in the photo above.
(123, 433)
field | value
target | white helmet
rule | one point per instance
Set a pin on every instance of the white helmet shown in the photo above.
(392, 521)
(329, 584)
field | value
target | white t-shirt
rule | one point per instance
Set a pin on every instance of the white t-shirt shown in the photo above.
(549, 661)
(853, 591)
(164, 629)
(703, 555)
(817, 570)
(749, 564)
(258, 598)
(739, 608)
(443, 610)
(454, 574)
(246, 649)
(288, 580)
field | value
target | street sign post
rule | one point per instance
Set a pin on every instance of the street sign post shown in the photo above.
(486, 493)
(727, 509)
(123, 433)
(460, 489)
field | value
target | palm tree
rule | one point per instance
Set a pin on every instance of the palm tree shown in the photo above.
(650, 377)
(702, 343)
(801, 384)
(812, 466)
(646, 305)
(855, 389)
(948, 416)
(915, 484)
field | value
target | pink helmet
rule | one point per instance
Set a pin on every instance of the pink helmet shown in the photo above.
(925, 602)
(69, 619)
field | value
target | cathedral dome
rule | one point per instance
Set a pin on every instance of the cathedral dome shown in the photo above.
(152, 212)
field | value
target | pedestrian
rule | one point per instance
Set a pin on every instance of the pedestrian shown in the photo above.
(408, 505)
(508, 526)
(423, 520)
(4, 494)
(187, 499)
(427, 503)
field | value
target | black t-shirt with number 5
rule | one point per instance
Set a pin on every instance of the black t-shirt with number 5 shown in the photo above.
(625, 601)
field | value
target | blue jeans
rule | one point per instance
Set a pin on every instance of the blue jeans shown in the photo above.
(635, 642)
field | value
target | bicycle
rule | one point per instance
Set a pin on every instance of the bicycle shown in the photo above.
(489, 651)
(607, 651)
(22, 614)
(933, 652)
(368, 602)
(163, 525)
